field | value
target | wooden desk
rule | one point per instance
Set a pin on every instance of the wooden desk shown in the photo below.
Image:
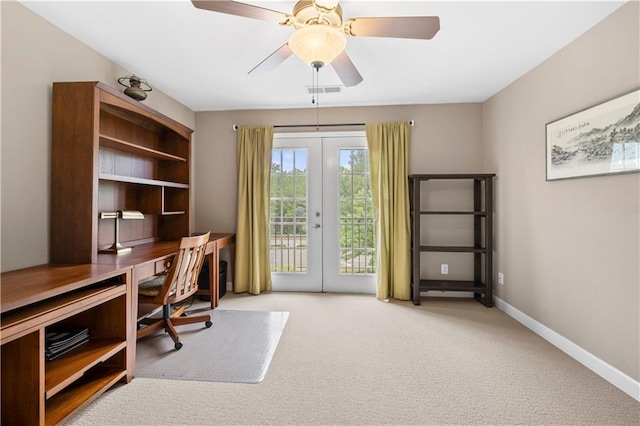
(154, 258)
(37, 391)
(150, 259)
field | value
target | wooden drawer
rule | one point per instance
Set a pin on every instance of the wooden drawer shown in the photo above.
(163, 265)
(141, 272)
(152, 268)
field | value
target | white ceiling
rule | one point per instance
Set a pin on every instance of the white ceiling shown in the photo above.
(201, 58)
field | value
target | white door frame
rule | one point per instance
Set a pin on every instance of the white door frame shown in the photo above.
(333, 280)
(323, 267)
(310, 281)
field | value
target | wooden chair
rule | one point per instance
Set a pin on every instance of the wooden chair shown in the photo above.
(179, 283)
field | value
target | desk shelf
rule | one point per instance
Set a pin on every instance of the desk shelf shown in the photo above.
(143, 181)
(110, 152)
(97, 297)
(63, 371)
(81, 393)
(19, 319)
(111, 142)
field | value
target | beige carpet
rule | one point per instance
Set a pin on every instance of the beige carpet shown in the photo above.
(237, 348)
(351, 359)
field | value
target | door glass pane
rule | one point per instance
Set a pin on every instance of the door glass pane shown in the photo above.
(288, 210)
(357, 250)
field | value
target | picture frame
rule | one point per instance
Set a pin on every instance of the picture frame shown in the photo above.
(601, 140)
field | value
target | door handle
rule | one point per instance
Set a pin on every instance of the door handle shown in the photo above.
(316, 226)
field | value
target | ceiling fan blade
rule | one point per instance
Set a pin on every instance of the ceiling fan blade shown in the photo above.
(419, 27)
(272, 61)
(241, 9)
(345, 69)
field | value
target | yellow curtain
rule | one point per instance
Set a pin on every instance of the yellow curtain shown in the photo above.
(253, 273)
(389, 163)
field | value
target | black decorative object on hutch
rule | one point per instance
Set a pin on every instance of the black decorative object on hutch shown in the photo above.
(482, 283)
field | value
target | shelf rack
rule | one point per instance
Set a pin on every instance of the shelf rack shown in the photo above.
(482, 283)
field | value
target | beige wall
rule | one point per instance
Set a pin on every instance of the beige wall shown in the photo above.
(35, 54)
(569, 249)
(445, 139)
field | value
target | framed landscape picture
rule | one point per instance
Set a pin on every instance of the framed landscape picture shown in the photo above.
(601, 140)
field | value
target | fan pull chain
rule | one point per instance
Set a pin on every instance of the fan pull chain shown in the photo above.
(315, 79)
(313, 87)
(317, 103)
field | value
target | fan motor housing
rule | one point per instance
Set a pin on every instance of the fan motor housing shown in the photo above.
(307, 14)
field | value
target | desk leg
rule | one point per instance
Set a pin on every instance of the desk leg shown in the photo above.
(214, 276)
(133, 336)
(232, 261)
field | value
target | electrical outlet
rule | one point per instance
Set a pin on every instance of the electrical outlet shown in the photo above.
(500, 278)
(444, 269)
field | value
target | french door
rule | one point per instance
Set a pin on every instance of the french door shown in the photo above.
(321, 217)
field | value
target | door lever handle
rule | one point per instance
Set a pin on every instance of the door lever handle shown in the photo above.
(316, 226)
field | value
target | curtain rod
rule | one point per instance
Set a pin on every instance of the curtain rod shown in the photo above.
(280, 126)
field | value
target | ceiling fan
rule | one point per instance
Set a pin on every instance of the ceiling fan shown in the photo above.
(320, 35)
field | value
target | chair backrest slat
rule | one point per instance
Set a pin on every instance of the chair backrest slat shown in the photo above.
(182, 277)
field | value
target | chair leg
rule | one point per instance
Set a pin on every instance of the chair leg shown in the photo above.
(174, 334)
(169, 320)
(151, 327)
(168, 326)
(192, 320)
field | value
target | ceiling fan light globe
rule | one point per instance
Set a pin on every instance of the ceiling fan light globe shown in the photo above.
(317, 43)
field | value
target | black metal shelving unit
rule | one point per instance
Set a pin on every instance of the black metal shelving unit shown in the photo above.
(482, 283)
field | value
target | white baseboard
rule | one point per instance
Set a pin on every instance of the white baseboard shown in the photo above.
(611, 374)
